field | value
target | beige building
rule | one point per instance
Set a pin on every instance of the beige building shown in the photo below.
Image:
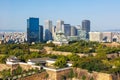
(104, 36)
(95, 36)
(116, 37)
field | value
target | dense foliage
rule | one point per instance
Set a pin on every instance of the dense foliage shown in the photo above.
(61, 62)
(100, 62)
(78, 47)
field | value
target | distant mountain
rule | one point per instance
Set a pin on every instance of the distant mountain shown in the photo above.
(12, 30)
(113, 30)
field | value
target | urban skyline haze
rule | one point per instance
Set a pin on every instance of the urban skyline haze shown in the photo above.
(103, 14)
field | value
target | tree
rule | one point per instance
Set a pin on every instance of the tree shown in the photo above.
(61, 62)
(17, 71)
(83, 77)
(3, 58)
(71, 74)
(5, 74)
(73, 57)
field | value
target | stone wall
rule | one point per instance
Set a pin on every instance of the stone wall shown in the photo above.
(38, 76)
(26, 67)
(78, 75)
(50, 51)
(94, 75)
(102, 76)
(58, 75)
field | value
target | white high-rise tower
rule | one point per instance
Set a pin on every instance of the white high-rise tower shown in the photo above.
(48, 30)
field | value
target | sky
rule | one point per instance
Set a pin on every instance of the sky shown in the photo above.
(103, 14)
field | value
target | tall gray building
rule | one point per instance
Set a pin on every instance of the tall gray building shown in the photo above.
(86, 27)
(59, 25)
(66, 28)
(73, 31)
(40, 33)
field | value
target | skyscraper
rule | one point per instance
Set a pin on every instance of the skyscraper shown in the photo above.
(48, 30)
(33, 30)
(59, 25)
(73, 31)
(53, 32)
(86, 27)
(40, 33)
(48, 25)
(66, 28)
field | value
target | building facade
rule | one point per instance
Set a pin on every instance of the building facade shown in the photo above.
(96, 36)
(104, 36)
(59, 25)
(73, 31)
(86, 27)
(60, 38)
(48, 30)
(66, 28)
(33, 30)
(40, 33)
(81, 34)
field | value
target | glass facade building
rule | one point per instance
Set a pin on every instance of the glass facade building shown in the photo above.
(33, 30)
(40, 33)
(67, 29)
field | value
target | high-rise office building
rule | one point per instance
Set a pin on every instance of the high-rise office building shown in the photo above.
(73, 31)
(33, 30)
(86, 27)
(53, 32)
(66, 28)
(48, 30)
(48, 25)
(40, 33)
(59, 25)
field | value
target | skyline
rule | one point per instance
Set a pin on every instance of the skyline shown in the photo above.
(103, 14)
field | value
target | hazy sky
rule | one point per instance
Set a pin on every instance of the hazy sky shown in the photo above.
(103, 14)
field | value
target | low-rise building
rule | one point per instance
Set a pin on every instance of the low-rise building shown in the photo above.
(12, 60)
(95, 36)
(104, 36)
